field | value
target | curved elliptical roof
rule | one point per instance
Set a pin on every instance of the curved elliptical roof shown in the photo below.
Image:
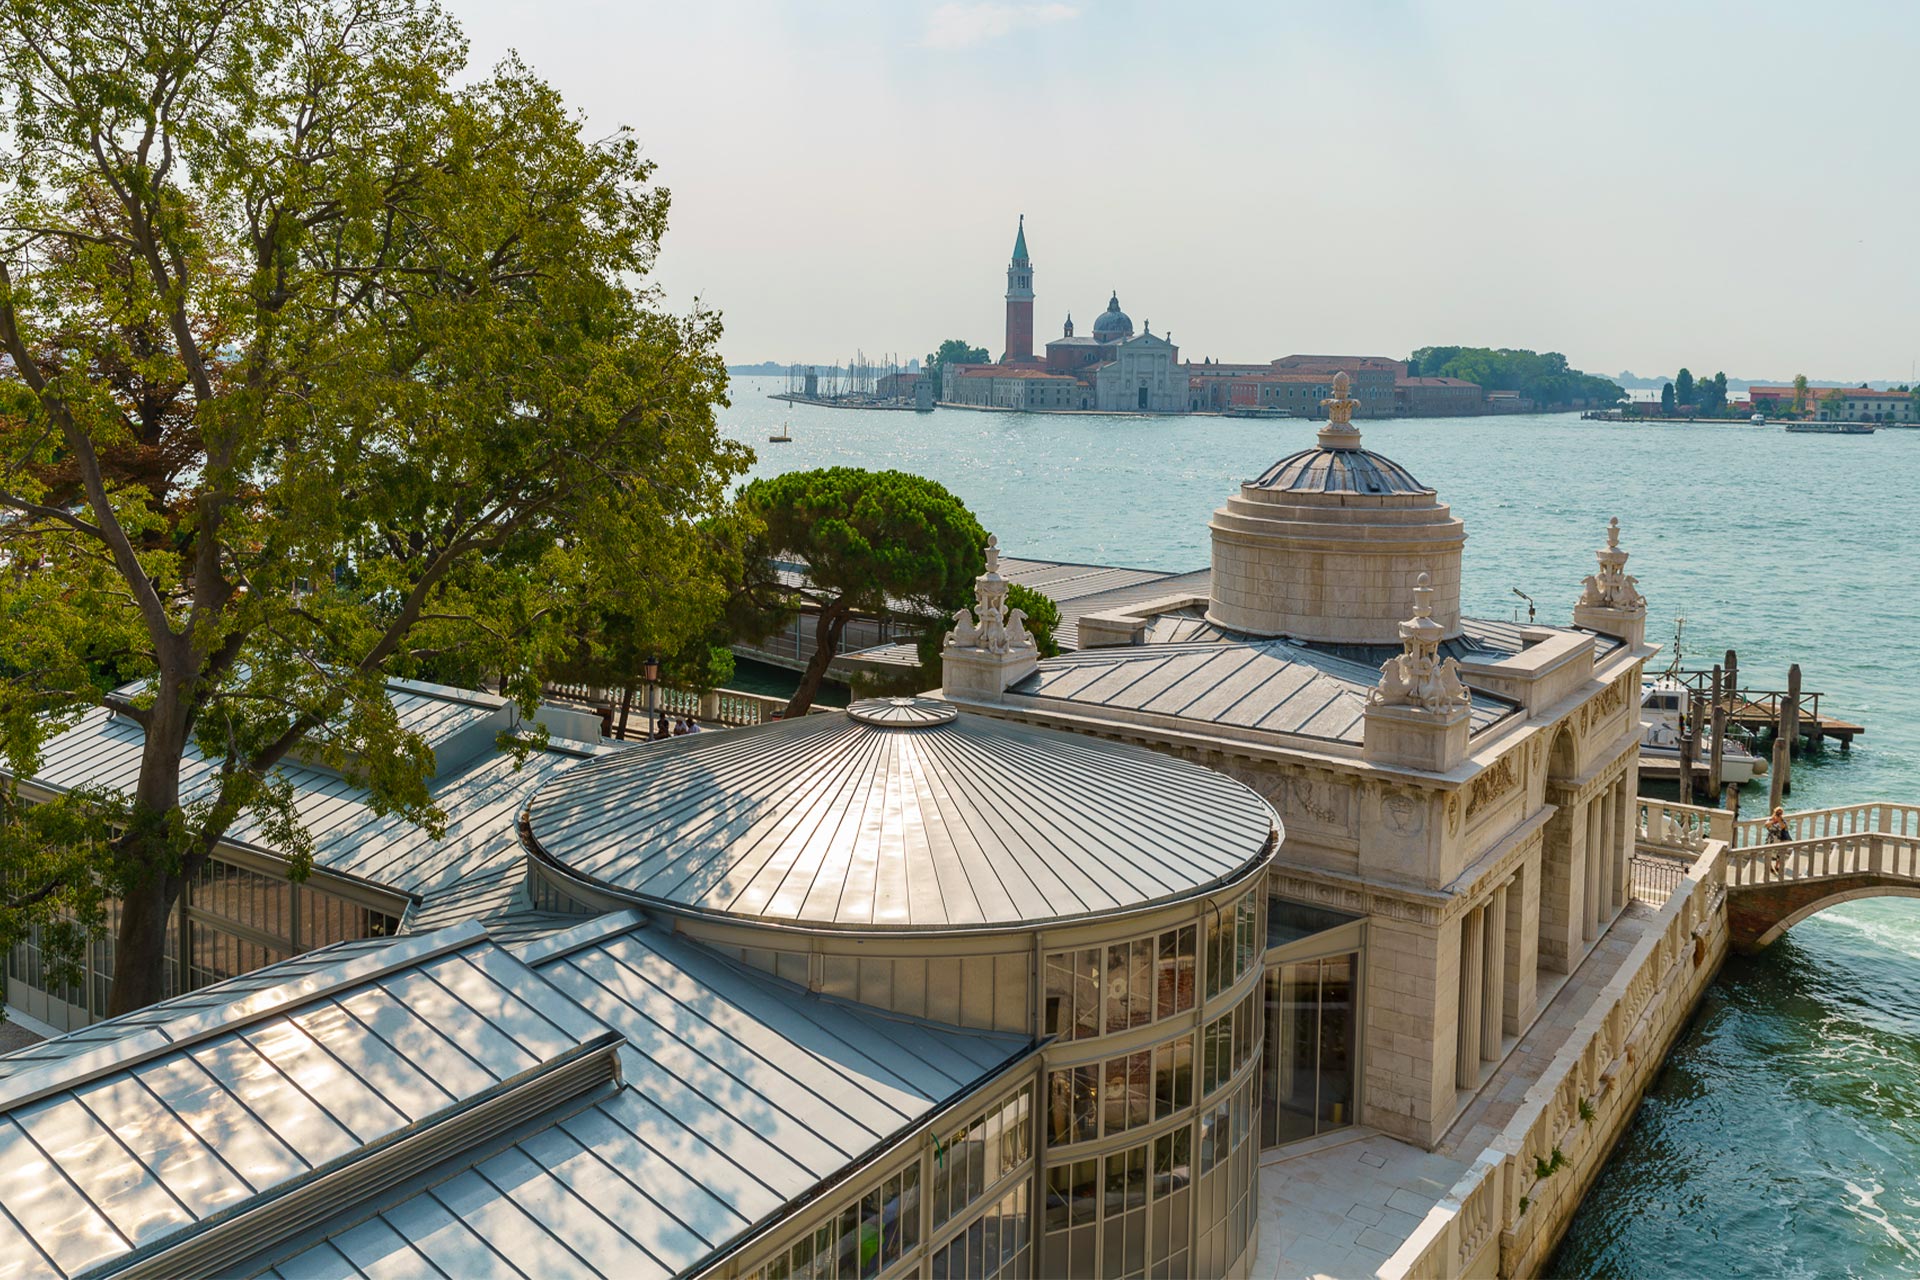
(827, 821)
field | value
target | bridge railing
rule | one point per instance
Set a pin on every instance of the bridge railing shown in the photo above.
(1880, 816)
(1863, 853)
(1680, 828)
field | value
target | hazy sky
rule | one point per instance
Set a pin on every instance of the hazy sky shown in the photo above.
(1728, 186)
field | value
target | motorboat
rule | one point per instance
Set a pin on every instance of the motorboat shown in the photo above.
(1663, 727)
(1833, 428)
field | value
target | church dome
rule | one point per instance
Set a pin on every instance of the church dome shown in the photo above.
(1323, 470)
(1113, 324)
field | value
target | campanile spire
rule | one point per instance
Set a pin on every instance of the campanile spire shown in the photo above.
(1019, 348)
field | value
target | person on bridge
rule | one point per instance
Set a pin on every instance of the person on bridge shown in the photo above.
(1778, 832)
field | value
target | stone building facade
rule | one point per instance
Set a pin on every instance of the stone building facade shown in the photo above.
(1460, 791)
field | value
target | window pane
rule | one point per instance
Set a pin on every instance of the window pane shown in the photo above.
(1292, 995)
(1116, 989)
(1336, 1041)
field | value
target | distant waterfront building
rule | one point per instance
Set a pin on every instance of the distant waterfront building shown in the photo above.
(1372, 378)
(1857, 404)
(897, 386)
(1020, 388)
(1437, 397)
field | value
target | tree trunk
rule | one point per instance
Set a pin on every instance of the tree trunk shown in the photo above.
(140, 947)
(153, 873)
(626, 705)
(826, 646)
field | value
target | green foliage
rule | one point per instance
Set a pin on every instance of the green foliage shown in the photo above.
(1668, 399)
(1683, 389)
(1544, 1169)
(1586, 1111)
(320, 368)
(1543, 378)
(874, 543)
(1043, 616)
(1712, 395)
(1799, 393)
(952, 351)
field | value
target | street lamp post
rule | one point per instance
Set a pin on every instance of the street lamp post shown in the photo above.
(650, 671)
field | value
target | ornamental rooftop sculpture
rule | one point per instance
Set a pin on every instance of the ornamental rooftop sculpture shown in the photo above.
(1418, 677)
(1612, 587)
(1340, 433)
(990, 627)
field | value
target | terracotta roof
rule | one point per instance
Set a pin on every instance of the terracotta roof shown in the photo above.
(1012, 371)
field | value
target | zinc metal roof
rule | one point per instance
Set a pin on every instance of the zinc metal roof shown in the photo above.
(481, 801)
(825, 821)
(152, 1134)
(1271, 685)
(212, 1127)
(1357, 471)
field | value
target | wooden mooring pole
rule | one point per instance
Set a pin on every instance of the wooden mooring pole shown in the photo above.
(1690, 747)
(1716, 763)
(1789, 731)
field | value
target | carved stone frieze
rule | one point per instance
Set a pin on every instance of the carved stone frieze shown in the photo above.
(1490, 784)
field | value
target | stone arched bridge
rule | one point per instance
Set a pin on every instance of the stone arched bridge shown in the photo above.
(1836, 855)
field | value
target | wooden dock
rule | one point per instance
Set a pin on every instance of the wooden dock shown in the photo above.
(1758, 711)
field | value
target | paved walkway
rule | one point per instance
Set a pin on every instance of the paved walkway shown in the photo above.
(1339, 1206)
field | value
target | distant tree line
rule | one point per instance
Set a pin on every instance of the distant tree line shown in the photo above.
(1542, 377)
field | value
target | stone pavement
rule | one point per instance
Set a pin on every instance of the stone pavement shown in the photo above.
(1340, 1205)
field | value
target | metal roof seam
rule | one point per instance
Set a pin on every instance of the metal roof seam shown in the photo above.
(18, 1090)
(235, 1234)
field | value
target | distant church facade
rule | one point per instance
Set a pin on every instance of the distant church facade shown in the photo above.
(1110, 370)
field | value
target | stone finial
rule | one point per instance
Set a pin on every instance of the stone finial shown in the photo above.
(1340, 433)
(1612, 587)
(1418, 677)
(990, 627)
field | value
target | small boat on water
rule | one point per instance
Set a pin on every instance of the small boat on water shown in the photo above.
(1758, 419)
(785, 436)
(1663, 726)
(1833, 428)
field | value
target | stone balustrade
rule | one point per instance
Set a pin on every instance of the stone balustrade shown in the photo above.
(733, 708)
(1880, 816)
(1519, 1193)
(1681, 828)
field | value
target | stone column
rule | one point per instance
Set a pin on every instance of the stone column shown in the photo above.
(1523, 946)
(1596, 859)
(1610, 864)
(1473, 978)
(1493, 1008)
(1627, 819)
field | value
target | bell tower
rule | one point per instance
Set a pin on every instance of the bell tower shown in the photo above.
(1019, 349)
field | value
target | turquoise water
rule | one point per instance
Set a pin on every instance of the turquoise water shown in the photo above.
(1783, 1136)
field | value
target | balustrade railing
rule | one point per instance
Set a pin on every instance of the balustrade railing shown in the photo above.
(1880, 816)
(1656, 876)
(1859, 853)
(1683, 828)
(732, 708)
(1557, 1123)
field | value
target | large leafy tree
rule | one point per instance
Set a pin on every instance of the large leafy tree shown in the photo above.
(318, 368)
(874, 543)
(952, 351)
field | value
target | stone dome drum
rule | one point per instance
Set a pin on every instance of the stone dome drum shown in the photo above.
(1328, 544)
(897, 814)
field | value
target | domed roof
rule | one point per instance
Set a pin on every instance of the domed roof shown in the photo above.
(1323, 470)
(1113, 323)
(837, 821)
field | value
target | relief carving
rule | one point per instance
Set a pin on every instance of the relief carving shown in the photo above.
(1490, 784)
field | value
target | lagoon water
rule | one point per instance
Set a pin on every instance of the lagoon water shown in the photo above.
(1783, 1138)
